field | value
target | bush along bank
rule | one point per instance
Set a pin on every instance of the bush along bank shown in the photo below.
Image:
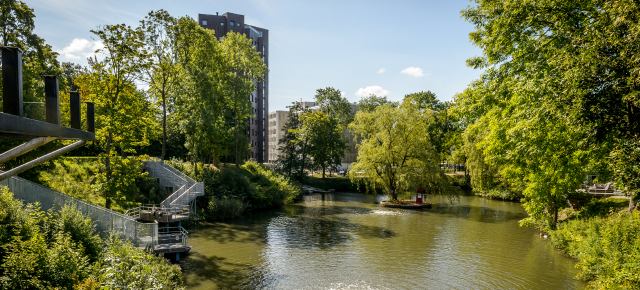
(607, 249)
(61, 250)
(337, 183)
(230, 195)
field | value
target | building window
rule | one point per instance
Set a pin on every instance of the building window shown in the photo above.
(204, 22)
(232, 23)
(221, 23)
(238, 24)
(220, 38)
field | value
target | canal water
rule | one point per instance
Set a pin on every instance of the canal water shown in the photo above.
(347, 241)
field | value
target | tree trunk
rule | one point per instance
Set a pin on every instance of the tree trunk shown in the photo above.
(164, 126)
(322, 172)
(393, 195)
(107, 165)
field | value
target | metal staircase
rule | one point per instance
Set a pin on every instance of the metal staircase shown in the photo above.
(178, 206)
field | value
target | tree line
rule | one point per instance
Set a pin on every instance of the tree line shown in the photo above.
(167, 82)
(557, 100)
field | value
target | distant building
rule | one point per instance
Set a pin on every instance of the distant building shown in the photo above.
(277, 120)
(258, 126)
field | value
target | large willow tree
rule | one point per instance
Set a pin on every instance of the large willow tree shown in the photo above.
(395, 153)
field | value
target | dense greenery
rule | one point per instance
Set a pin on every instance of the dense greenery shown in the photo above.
(314, 139)
(83, 178)
(61, 250)
(557, 100)
(396, 152)
(607, 249)
(230, 193)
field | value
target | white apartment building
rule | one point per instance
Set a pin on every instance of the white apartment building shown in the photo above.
(277, 120)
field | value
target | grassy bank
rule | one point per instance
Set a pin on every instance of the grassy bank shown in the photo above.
(77, 177)
(337, 183)
(607, 248)
(227, 195)
(61, 250)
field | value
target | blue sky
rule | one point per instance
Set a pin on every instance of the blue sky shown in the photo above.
(389, 48)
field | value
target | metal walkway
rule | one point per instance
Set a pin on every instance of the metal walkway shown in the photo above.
(175, 208)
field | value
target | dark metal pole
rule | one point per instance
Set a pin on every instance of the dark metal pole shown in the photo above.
(12, 80)
(74, 108)
(91, 117)
(52, 99)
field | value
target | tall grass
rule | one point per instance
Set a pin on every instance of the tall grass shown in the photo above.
(607, 249)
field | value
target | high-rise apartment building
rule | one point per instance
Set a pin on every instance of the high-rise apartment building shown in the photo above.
(258, 126)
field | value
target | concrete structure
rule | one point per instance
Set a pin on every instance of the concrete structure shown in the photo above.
(258, 126)
(277, 120)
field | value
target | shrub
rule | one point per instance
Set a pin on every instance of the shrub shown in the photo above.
(122, 266)
(229, 195)
(607, 249)
(61, 250)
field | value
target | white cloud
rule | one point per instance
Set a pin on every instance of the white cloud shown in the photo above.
(80, 48)
(375, 90)
(414, 71)
(342, 94)
(382, 70)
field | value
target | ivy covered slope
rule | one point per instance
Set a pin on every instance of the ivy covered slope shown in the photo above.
(61, 250)
(229, 193)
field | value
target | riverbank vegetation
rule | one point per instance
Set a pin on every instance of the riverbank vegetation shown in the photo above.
(231, 193)
(61, 250)
(558, 100)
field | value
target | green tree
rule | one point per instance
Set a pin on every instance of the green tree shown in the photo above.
(247, 68)
(335, 106)
(124, 117)
(294, 156)
(325, 138)
(395, 153)
(161, 70)
(585, 53)
(370, 103)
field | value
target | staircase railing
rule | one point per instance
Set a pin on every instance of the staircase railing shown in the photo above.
(106, 221)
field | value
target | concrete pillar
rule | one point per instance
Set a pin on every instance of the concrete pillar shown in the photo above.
(74, 109)
(52, 99)
(12, 80)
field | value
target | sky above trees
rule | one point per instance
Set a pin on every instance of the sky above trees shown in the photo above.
(387, 48)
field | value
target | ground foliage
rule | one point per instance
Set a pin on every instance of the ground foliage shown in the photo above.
(607, 249)
(229, 194)
(61, 250)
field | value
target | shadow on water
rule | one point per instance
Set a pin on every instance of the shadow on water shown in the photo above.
(305, 232)
(476, 213)
(222, 272)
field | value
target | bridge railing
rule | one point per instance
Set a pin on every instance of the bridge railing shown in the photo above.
(105, 220)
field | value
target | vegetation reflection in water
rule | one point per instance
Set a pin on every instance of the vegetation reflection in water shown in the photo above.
(346, 241)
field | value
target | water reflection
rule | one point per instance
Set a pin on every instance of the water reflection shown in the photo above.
(346, 241)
